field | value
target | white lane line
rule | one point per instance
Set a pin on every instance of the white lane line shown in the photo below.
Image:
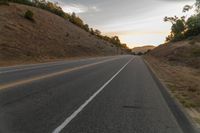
(75, 113)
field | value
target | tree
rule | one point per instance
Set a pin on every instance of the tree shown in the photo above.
(97, 32)
(124, 46)
(86, 27)
(116, 41)
(197, 5)
(76, 20)
(186, 8)
(171, 19)
(193, 25)
(182, 27)
(189, 7)
(92, 31)
(177, 29)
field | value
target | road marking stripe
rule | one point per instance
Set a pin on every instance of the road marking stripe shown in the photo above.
(52, 74)
(36, 66)
(29, 68)
(75, 113)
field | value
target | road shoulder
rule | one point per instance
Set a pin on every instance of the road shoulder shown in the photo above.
(181, 113)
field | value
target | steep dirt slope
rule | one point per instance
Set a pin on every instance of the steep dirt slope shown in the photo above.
(49, 37)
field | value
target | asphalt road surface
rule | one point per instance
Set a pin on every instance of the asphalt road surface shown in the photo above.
(116, 94)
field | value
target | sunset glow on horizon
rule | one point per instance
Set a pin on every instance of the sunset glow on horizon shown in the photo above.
(137, 23)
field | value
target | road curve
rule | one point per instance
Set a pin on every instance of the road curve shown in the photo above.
(114, 94)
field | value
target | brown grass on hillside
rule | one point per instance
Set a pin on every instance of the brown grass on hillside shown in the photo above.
(48, 37)
(185, 53)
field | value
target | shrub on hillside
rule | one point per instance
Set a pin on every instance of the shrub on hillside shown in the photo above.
(77, 21)
(25, 2)
(29, 15)
(51, 7)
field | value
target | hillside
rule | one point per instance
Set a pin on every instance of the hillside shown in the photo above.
(142, 49)
(177, 65)
(186, 52)
(48, 37)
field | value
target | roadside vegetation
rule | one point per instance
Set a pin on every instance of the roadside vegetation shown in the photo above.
(29, 15)
(73, 18)
(177, 62)
(183, 83)
(183, 27)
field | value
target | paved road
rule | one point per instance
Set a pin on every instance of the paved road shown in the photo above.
(114, 94)
(10, 74)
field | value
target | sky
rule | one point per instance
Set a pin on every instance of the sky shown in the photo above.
(136, 22)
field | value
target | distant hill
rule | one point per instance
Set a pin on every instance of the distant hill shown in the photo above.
(186, 52)
(142, 49)
(48, 37)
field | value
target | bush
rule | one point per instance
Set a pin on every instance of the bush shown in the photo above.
(77, 21)
(51, 7)
(29, 15)
(25, 2)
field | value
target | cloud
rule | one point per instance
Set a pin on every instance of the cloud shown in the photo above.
(125, 33)
(94, 8)
(177, 0)
(79, 8)
(134, 21)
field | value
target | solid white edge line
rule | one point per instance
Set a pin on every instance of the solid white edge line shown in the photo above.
(75, 113)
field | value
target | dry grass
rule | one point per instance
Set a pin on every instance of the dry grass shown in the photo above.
(186, 52)
(183, 82)
(50, 37)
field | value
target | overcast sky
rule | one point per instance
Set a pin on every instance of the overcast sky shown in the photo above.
(136, 22)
